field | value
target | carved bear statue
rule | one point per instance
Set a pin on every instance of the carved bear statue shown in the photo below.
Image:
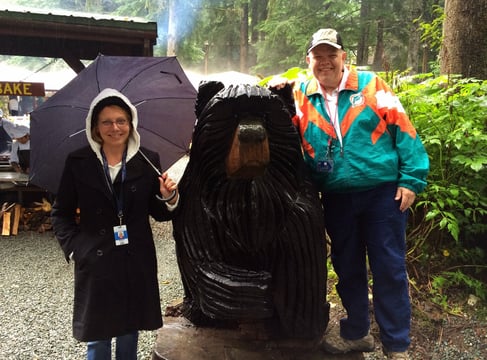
(249, 231)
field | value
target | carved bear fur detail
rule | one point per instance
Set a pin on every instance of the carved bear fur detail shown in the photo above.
(249, 230)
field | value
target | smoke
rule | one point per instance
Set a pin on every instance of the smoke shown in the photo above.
(177, 19)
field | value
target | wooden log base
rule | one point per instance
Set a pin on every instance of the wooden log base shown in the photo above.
(179, 339)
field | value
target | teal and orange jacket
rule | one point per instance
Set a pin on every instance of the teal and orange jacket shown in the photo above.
(379, 142)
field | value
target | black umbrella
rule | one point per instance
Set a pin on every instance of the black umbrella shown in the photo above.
(157, 86)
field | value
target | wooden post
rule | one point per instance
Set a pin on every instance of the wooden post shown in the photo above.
(6, 223)
(17, 213)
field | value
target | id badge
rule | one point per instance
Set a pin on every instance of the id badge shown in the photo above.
(121, 235)
(325, 166)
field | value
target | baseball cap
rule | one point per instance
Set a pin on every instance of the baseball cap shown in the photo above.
(326, 36)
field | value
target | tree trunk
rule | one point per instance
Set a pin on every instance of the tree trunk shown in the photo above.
(363, 42)
(464, 32)
(379, 47)
(172, 29)
(255, 19)
(414, 36)
(258, 13)
(425, 60)
(244, 38)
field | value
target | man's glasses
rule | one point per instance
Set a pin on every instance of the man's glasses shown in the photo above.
(118, 122)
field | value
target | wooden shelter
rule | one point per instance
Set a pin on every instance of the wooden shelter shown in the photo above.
(74, 36)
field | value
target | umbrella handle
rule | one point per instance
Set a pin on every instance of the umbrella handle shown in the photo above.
(173, 194)
(150, 163)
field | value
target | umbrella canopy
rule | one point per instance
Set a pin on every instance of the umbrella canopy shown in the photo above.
(14, 130)
(157, 86)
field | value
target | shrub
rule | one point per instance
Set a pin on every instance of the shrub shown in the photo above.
(448, 226)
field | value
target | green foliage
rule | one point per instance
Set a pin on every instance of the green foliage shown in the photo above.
(450, 117)
(289, 26)
(214, 38)
(39, 4)
(141, 8)
(293, 74)
(450, 282)
(432, 33)
(449, 222)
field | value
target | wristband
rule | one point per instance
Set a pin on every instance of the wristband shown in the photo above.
(172, 196)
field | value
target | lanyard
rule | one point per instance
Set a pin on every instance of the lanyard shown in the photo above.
(335, 123)
(118, 199)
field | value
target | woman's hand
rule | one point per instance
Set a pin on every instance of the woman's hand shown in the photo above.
(168, 188)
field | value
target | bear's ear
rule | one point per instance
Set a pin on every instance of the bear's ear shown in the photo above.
(206, 90)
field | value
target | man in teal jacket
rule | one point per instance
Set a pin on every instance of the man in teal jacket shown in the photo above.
(369, 164)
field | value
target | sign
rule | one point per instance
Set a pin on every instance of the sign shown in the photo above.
(22, 88)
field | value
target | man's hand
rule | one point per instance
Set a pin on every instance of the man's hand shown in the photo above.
(406, 196)
(285, 91)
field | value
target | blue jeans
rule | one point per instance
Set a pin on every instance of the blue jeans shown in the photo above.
(369, 223)
(126, 348)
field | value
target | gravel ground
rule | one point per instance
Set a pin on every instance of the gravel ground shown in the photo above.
(36, 296)
(36, 293)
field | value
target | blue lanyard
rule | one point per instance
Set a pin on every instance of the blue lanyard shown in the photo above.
(118, 199)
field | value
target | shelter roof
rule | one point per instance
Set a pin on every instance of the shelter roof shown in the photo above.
(73, 36)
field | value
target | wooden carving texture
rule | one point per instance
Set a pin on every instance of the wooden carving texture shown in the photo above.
(249, 231)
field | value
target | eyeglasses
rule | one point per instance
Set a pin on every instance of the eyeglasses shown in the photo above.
(118, 122)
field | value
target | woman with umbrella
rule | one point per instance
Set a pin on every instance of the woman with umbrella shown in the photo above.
(113, 184)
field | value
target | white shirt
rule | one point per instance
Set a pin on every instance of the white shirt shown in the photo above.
(331, 104)
(16, 146)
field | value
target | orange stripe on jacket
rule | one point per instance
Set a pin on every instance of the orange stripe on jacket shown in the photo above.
(392, 111)
(311, 114)
(352, 113)
(369, 100)
(305, 144)
(387, 107)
